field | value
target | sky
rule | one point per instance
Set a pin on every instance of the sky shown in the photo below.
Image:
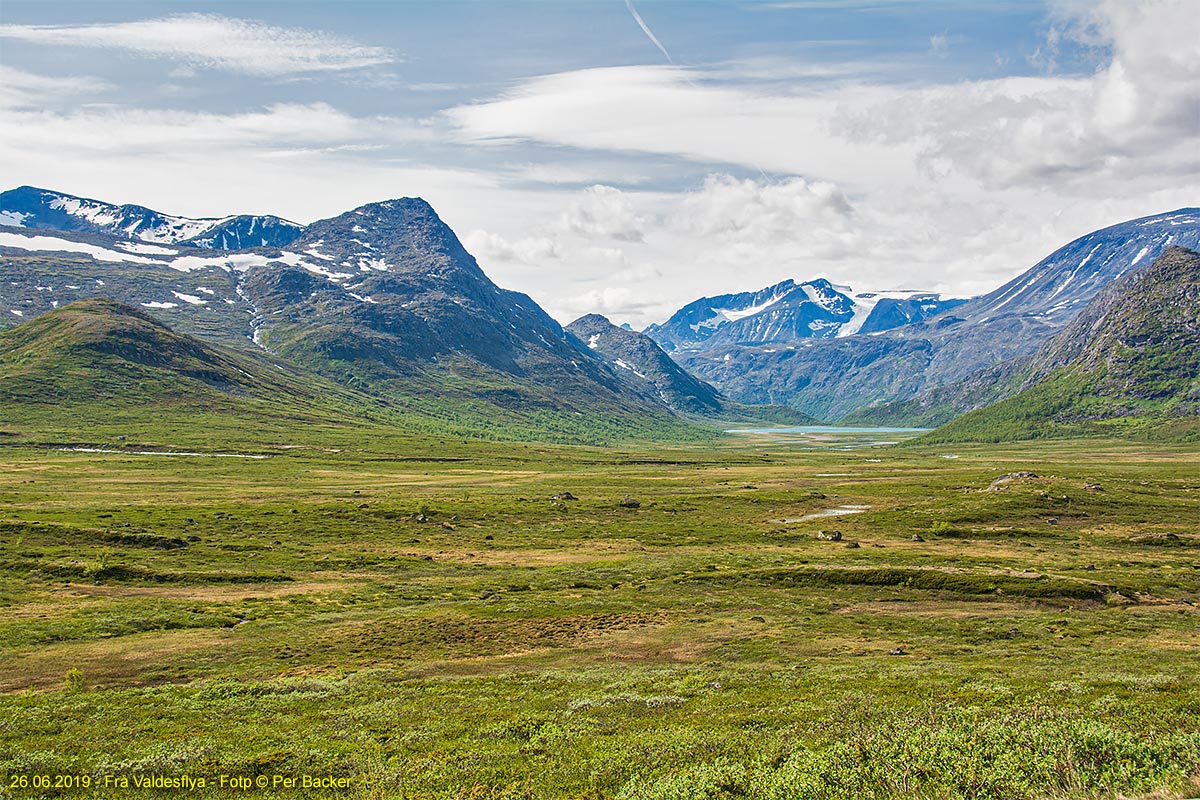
(626, 157)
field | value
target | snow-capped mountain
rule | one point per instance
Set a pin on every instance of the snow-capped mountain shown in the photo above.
(831, 377)
(383, 298)
(1060, 285)
(243, 231)
(789, 311)
(30, 207)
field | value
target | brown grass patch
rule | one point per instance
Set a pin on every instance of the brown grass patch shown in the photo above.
(118, 660)
(941, 609)
(421, 638)
(210, 593)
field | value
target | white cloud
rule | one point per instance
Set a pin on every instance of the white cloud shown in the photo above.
(299, 161)
(939, 44)
(279, 127)
(766, 212)
(675, 112)
(601, 212)
(618, 303)
(216, 42)
(492, 246)
(21, 89)
(1135, 119)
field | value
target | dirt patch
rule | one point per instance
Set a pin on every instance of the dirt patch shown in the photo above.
(523, 558)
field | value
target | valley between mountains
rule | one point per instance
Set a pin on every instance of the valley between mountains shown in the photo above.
(283, 500)
(385, 301)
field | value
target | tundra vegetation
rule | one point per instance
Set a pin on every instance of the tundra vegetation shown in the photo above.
(439, 618)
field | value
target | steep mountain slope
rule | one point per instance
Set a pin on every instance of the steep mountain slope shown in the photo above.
(1059, 286)
(939, 405)
(646, 369)
(832, 377)
(787, 312)
(385, 296)
(642, 363)
(193, 291)
(383, 299)
(1129, 361)
(30, 207)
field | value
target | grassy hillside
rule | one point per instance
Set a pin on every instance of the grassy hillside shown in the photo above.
(99, 371)
(100, 352)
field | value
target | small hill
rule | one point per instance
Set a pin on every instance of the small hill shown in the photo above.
(101, 351)
(1129, 363)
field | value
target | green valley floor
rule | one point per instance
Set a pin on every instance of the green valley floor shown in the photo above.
(751, 618)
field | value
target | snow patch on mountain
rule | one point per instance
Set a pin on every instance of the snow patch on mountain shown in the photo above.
(191, 299)
(791, 311)
(620, 362)
(30, 207)
(734, 314)
(819, 295)
(53, 244)
(150, 226)
(147, 249)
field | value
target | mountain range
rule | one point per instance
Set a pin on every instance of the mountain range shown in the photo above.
(382, 300)
(30, 207)
(790, 311)
(832, 376)
(381, 310)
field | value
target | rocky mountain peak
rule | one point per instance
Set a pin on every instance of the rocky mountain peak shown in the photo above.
(401, 235)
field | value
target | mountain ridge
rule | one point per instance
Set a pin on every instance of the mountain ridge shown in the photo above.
(1129, 361)
(643, 363)
(788, 311)
(43, 209)
(645, 367)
